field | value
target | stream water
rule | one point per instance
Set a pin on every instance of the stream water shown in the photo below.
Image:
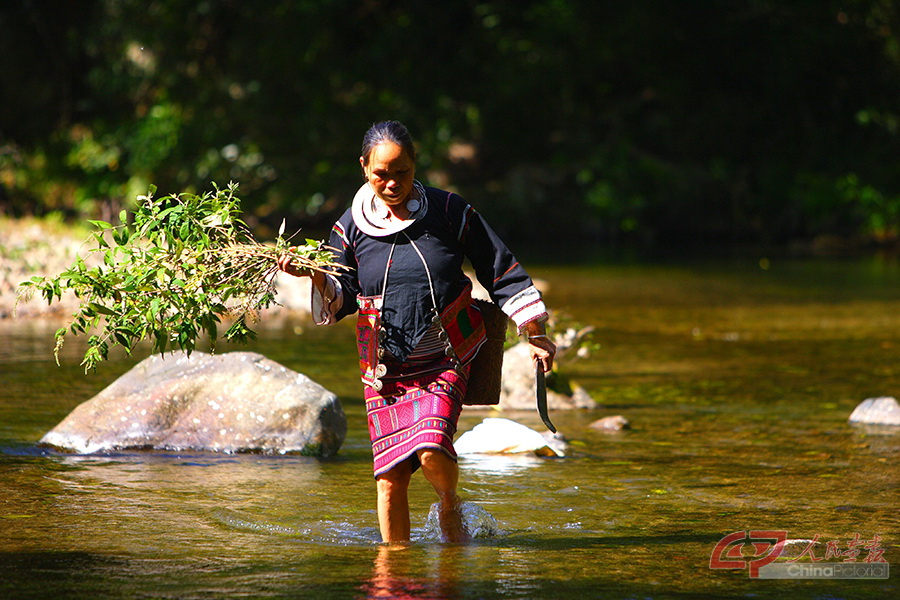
(737, 379)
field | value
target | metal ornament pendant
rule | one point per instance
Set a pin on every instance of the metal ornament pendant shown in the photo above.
(412, 206)
(382, 336)
(380, 371)
(379, 209)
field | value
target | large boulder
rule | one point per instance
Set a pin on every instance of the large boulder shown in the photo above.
(517, 391)
(234, 402)
(517, 380)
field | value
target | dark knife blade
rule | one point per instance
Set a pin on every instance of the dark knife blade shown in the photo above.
(540, 384)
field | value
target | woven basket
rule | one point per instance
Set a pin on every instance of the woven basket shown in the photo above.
(485, 369)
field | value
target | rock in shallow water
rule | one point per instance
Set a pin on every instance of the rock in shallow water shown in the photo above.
(877, 411)
(610, 424)
(504, 436)
(234, 402)
(517, 384)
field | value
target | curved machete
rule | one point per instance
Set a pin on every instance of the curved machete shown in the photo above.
(540, 384)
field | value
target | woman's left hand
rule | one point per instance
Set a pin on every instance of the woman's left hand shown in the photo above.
(542, 348)
(542, 351)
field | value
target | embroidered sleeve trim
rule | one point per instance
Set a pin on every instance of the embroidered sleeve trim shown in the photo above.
(526, 306)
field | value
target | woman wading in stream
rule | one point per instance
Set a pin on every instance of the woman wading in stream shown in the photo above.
(417, 327)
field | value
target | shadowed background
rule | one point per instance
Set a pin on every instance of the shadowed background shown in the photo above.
(659, 124)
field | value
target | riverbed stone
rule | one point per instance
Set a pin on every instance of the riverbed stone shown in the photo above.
(517, 387)
(611, 424)
(877, 411)
(233, 402)
(496, 435)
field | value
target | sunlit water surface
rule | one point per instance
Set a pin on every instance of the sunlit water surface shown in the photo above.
(737, 381)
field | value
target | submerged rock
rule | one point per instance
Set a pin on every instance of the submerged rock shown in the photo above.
(234, 402)
(611, 424)
(877, 411)
(503, 436)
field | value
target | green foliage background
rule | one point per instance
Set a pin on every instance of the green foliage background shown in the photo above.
(671, 123)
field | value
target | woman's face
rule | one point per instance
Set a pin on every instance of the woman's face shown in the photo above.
(390, 172)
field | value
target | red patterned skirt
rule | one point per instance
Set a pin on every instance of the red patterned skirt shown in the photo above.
(413, 412)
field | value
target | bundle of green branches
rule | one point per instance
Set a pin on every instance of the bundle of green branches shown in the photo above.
(170, 273)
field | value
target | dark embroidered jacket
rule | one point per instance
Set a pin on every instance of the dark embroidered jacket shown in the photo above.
(449, 231)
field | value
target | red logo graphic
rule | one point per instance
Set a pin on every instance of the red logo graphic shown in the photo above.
(767, 546)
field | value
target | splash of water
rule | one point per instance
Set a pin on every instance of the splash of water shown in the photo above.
(478, 522)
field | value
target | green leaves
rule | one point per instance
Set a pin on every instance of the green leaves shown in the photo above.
(169, 273)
